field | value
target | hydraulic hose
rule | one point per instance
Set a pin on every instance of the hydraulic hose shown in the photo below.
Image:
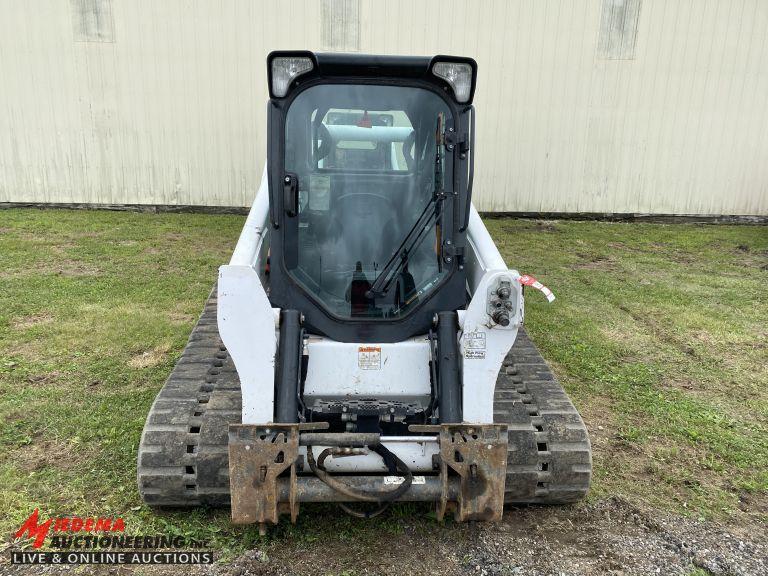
(384, 496)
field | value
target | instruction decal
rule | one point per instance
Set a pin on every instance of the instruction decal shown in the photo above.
(319, 192)
(369, 357)
(474, 345)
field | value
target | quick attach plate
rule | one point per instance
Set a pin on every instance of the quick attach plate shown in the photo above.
(474, 456)
(258, 454)
(477, 453)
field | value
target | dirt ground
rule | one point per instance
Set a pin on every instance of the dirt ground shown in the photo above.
(611, 537)
(608, 537)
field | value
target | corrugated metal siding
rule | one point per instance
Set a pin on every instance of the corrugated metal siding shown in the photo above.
(590, 106)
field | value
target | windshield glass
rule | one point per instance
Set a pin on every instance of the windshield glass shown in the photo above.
(370, 162)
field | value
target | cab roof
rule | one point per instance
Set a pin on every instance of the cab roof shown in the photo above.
(340, 65)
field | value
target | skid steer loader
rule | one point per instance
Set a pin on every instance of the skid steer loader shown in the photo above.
(365, 343)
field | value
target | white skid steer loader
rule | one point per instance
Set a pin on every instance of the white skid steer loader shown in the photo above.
(365, 345)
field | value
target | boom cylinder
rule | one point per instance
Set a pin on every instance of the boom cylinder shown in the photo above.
(449, 377)
(288, 367)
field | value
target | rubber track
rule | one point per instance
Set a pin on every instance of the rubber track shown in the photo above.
(182, 459)
(550, 458)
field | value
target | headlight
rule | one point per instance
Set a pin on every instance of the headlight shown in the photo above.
(285, 69)
(458, 75)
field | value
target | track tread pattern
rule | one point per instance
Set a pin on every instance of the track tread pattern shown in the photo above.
(550, 458)
(183, 460)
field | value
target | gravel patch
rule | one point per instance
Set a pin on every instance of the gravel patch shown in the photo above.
(615, 537)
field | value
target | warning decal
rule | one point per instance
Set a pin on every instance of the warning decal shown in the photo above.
(400, 480)
(369, 357)
(474, 345)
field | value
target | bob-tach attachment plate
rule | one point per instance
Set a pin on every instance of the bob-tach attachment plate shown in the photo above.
(257, 456)
(477, 453)
(473, 460)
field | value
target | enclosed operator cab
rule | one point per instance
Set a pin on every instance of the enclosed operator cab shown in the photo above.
(369, 179)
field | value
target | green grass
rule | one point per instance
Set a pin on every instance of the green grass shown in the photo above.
(658, 332)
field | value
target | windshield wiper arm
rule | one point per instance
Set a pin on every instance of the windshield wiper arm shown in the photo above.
(384, 279)
(400, 256)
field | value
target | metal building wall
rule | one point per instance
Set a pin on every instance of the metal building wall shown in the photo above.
(639, 106)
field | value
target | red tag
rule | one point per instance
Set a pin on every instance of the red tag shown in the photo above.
(527, 280)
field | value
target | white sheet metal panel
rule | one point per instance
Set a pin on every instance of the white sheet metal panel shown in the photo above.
(341, 370)
(646, 106)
